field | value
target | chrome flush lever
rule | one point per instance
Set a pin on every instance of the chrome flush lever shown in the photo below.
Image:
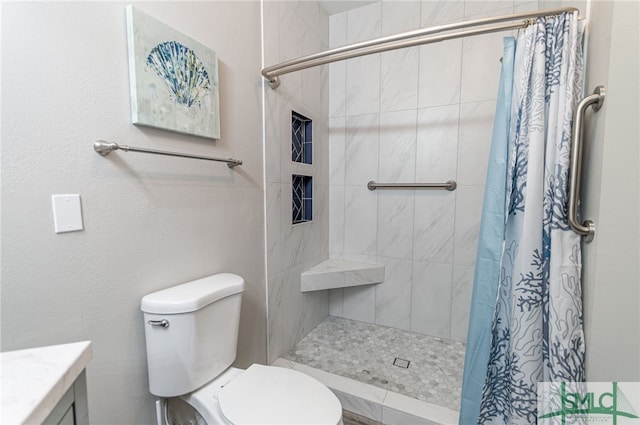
(163, 323)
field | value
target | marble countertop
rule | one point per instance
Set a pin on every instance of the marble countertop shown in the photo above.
(34, 380)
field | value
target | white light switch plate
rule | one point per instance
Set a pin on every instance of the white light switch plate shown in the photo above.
(67, 213)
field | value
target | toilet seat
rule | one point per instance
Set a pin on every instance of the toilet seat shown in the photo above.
(275, 395)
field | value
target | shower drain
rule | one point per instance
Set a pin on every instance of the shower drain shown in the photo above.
(401, 363)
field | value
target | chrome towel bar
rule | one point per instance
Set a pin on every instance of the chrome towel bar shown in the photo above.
(587, 228)
(449, 185)
(105, 148)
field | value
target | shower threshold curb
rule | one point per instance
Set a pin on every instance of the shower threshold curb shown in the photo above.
(375, 403)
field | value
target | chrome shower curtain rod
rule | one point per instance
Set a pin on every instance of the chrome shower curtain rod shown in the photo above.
(407, 39)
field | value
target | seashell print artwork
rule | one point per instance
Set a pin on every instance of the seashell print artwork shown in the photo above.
(182, 71)
(173, 78)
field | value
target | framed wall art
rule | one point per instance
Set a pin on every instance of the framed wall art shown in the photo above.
(173, 78)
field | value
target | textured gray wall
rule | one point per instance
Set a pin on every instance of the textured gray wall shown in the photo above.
(150, 221)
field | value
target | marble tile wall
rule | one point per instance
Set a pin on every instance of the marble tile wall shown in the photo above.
(292, 29)
(421, 114)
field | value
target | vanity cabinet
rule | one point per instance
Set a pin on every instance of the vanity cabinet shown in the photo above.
(45, 385)
(72, 409)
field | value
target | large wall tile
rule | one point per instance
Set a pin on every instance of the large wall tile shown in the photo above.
(338, 84)
(272, 135)
(481, 9)
(581, 5)
(461, 301)
(434, 13)
(440, 70)
(312, 78)
(431, 298)
(316, 235)
(476, 127)
(528, 6)
(400, 16)
(322, 213)
(271, 35)
(393, 296)
(316, 309)
(364, 23)
(291, 86)
(320, 166)
(315, 19)
(337, 70)
(292, 234)
(286, 309)
(360, 258)
(395, 224)
(468, 214)
(397, 146)
(290, 30)
(323, 107)
(361, 149)
(481, 67)
(363, 85)
(399, 76)
(335, 302)
(437, 144)
(363, 74)
(434, 225)
(336, 222)
(359, 303)
(338, 30)
(337, 129)
(360, 221)
(274, 225)
(294, 5)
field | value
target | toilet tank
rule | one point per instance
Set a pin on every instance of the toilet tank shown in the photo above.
(191, 332)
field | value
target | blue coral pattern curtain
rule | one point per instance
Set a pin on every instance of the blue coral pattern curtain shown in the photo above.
(490, 240)
(536, 330)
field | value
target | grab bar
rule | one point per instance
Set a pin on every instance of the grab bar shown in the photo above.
(105, 148)
(587, 228)
(449, 185)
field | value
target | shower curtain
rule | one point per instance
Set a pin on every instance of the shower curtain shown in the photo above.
(526, 319)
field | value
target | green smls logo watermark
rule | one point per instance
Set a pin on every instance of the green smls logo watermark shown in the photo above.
(562, 403)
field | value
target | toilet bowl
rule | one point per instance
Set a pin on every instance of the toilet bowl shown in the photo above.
(265, 395)
(191, 332)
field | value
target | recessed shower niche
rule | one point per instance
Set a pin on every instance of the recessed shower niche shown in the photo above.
(301, 138)
(302, 153)
(301, 199)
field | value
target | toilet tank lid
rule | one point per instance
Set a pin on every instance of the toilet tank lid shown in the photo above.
(192, 296)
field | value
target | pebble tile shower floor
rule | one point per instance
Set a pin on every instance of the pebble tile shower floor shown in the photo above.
(366, 352)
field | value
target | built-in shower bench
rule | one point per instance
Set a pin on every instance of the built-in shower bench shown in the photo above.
(332, 274)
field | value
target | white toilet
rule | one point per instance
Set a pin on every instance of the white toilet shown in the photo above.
(191, 334)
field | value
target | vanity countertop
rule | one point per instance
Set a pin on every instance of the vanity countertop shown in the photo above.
(34, 380)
